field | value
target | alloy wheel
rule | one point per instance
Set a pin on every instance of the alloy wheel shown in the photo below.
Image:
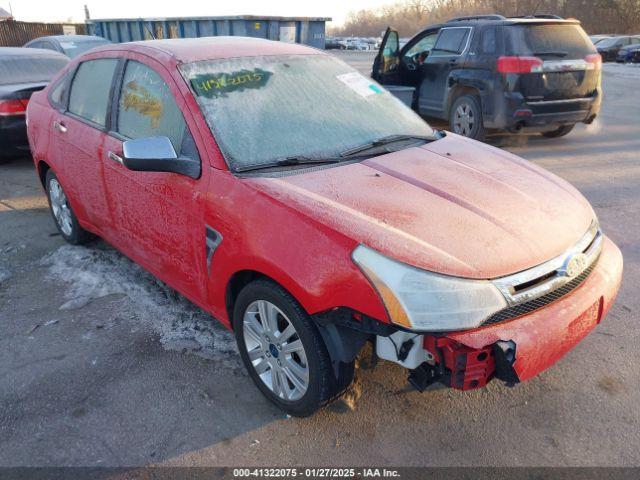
(60, 207)
(463, 120)
(275, 350)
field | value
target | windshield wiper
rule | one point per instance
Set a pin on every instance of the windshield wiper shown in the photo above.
(551, 54)
(382, 142)
(289, 161)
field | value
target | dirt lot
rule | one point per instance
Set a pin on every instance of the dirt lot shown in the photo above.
(102, 365)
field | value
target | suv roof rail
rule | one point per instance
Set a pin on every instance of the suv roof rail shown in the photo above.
(477, 17)
(548, 16)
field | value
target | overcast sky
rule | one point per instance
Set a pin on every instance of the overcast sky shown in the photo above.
(61, 10)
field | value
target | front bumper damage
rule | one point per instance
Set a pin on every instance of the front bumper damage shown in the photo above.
(516, 350)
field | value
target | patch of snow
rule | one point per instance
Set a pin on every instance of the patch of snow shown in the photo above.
(626, 70)
(93, 273)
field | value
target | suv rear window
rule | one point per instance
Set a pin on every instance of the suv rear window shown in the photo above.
(554, 40)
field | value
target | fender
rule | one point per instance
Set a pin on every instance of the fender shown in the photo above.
(479, 80)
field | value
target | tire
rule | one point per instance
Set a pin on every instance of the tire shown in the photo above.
(305, 380)
(559, 132)
(465, 117)
(62, 213)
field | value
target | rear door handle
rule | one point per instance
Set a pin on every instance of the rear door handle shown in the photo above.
(115, 158)
(60, 127)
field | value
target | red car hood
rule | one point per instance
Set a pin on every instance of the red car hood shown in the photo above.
(453, 206)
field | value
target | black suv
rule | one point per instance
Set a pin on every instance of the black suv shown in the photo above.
(533, 74)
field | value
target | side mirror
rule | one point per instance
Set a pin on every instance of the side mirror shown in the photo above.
(156, 154)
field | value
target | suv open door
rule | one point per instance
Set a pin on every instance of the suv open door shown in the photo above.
(386, 68)
(385, 65)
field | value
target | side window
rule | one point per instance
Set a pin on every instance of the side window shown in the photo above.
(49, 46)
(90, 90)
(451, 41)
(489, 41)
(147, 108)
(424, 45)
(58, 92)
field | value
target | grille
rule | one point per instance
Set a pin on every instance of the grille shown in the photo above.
(532, 305)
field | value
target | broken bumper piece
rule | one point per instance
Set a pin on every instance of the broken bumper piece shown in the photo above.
(516, 350)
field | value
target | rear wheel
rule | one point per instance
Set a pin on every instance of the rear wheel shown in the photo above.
(559, 132)
(63, 214)
(465, 117)
(283, 350)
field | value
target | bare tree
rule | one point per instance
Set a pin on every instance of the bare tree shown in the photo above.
(410, 16)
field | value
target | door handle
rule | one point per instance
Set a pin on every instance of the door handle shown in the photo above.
(453, 61)
(60, 127)
(115, 158)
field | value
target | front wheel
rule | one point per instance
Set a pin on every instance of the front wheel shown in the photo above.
(283, 350)
(465, 117)
(559, 132)
(63, 214)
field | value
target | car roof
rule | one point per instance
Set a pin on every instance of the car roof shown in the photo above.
(186, 50)
(29, 52)
(71, 38)
(480, 21)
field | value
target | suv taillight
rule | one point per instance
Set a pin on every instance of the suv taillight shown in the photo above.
(519, 64)
(13, 107)
(594, 59)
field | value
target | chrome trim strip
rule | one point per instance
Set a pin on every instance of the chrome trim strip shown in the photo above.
(558, 265)
(567, 65)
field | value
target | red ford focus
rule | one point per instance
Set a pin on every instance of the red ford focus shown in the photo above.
(310, 211)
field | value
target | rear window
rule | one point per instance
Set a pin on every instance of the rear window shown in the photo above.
(549, 40)
(29, 69)
(73, 49)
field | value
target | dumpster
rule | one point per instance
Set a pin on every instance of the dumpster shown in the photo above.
(306, 30)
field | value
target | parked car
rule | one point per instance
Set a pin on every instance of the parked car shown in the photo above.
(609, 47)
(595, 39)
(69, 45)
(22, 72)
(634, 55)
(265, 182)
(628, 54)
(491, 72)
(332, 43)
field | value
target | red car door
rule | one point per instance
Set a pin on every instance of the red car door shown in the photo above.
(78, 135)
(158, 216)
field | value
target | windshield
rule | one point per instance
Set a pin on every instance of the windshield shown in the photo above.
(29, 69)
(608, 42)
(73, 49)
(264, 109)
(566, 41)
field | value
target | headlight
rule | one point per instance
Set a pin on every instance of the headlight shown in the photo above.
(425, 301)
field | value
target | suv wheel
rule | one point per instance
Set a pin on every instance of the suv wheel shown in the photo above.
(560, 132)
(465, 117)
(283, 350)
(63, 215)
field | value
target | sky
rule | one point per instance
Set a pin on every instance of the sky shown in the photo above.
(62, 10)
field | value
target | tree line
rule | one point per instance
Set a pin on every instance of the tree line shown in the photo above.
(410, 16)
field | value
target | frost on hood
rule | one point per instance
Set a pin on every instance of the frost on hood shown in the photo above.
(93, 273)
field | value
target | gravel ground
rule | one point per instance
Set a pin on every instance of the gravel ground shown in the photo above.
(102, 365)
